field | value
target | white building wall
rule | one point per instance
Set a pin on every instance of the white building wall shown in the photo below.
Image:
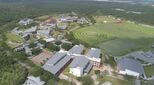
(132, 73)
(129, 72)
(76, 71)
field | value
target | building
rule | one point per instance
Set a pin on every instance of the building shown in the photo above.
(82, 21)
(130, 67)
(25, 21)
(28, 50)
(94, 56)
(147, 57)
(68, 19)
(42, 57)
(31, 80)
(49, 22)
(57, 63)
(16, 31)
(19, 48)
(26, 36)
(31, 30)
(44, 33)
(49, 39)
(76, 50)
(80, 66)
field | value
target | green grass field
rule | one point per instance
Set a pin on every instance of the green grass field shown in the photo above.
(149, 70)
(115, 38)
(116, 81)
(14, 38)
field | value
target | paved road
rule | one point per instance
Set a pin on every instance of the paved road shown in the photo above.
(137, 82)
(65, 77)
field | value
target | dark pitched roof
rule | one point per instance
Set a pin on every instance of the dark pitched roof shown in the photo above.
(77, 49)
(94, 52)
(55, 63)
(130, 64)
(82, 62)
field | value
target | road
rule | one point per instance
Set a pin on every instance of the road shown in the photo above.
(137, 82)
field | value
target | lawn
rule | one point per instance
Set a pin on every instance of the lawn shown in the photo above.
(116, 81)
(116, 38)
(14, 38)
(149, 70)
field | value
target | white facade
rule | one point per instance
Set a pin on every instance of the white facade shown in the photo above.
(34, 81)
(78, 71)
(95, 61)
(129, 72)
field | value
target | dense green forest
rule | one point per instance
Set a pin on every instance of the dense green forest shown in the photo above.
(11, 11)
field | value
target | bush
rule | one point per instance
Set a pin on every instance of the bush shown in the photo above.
(86, 80)
(53, 47)
(42, 41)
(45, 75)
(97, 72)
(36, 51)
(66, 46)
(58, 42)
(32, 45)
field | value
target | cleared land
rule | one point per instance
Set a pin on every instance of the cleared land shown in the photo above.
(116, 36)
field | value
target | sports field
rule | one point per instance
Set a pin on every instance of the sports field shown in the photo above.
(116, 36)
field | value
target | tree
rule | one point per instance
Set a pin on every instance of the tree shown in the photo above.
(97, 72)
(58, 42)
(66, 46)
(42, 41)
(86, 80)
(53, 47)
(51, 82)
(36, 51)
(32, 45)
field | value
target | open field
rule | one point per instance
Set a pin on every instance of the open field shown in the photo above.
(116, 37)
(149, 70)
(14, 38)
(116, 81)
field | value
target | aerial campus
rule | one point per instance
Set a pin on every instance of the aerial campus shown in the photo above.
(71, 47)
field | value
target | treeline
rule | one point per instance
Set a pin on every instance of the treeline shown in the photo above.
(34, 8)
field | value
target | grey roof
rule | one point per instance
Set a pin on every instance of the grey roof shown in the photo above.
(27, 49)
(30, 30)
(130, 64)
(81, 61)
(94, 52)
(147, 57)
(77, 49)
(88, 67)
(44, 32)
(149, 54)
(57, 62)
(33, 81)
